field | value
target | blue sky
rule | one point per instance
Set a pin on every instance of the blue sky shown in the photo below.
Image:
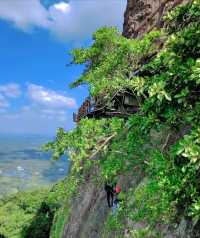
(36, 37)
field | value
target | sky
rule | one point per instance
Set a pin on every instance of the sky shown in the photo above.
(36, 38)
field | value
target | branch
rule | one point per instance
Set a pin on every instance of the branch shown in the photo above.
(119, 152)
(166, 142)
(107, 140)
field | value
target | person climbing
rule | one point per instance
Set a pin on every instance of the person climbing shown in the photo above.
(116, 190)
(119, 197)
(109, 193)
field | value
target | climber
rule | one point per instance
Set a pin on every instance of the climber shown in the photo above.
(110, 193)
(119, 197)
(117, 190)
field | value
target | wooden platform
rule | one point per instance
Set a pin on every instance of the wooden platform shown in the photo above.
(123, 107)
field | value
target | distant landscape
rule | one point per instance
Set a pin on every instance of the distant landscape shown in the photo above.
(24, 166)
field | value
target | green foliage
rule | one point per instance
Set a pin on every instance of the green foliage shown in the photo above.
(114, 224)
(183, 16)
(65, 194)
(146, 232)
(112, 58)
(35, 213)
(189, 147)
(168, 90)
(127, 150)
(153, 199)
(17, 212)
(84, 141)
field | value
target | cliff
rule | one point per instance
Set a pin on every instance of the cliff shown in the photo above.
(89, 215)
(89, 210)
(142, 16)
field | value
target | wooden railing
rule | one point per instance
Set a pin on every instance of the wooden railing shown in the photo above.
(83, 110)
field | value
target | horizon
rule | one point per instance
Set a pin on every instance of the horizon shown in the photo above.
(3, 135)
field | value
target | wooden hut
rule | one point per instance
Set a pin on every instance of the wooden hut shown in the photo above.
(122, 105)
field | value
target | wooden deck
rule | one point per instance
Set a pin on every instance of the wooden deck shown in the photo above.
(122, 109)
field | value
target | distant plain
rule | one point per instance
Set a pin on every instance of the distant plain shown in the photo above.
(24, 166)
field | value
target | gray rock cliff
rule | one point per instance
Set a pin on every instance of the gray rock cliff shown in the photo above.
(143, 15)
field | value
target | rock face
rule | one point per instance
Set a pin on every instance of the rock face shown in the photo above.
(88, 212)
(89, 208)
(143, 15)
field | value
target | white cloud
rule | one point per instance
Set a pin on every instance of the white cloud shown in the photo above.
(71, 21)
(34, 121)
(49, 98)
(62, 6)
(8, 91)
(44, 111)
(11, 90)
(24, 13)
(3, 103)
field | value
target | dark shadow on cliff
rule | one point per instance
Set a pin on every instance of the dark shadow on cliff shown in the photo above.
(41, 224)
